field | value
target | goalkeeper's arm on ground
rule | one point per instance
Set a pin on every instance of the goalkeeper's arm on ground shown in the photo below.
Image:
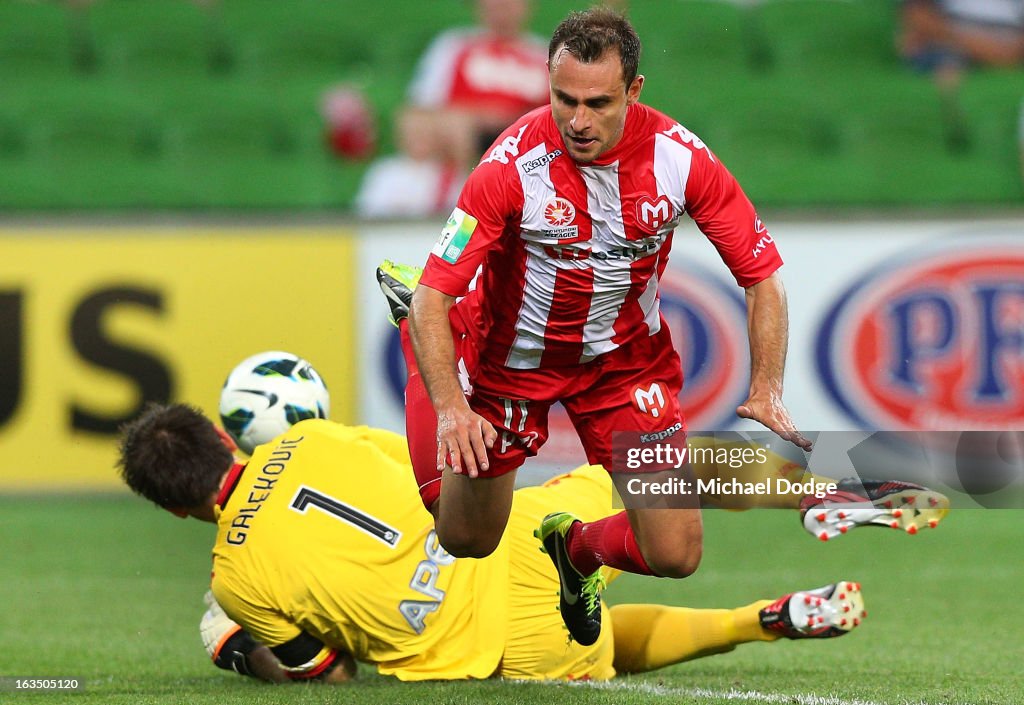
(303, 658)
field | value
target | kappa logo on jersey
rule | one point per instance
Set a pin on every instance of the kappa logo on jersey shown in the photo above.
(651, 214)
(537, 163)
(454, 236)
(687, 137)
(508, 147)
(933, 341)
(651, 400)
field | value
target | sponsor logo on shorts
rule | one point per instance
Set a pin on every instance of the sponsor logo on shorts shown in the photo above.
(650, 401)
(662, 434)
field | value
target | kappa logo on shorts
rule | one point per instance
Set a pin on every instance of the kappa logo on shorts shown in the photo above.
(650, 401)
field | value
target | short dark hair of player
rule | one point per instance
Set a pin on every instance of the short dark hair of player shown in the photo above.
(589, 34)
(172, 455)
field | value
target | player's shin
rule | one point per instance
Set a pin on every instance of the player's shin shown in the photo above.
(653, 636)
(609, 541)
(420, 427)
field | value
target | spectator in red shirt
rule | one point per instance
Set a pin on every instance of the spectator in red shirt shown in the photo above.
(486, 76)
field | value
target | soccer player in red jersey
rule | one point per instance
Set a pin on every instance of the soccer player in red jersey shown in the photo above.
(569, 219)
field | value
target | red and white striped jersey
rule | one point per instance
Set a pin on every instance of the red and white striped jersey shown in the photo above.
(571, 253)
(482, 72)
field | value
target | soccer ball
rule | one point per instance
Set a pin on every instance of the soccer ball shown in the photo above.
(267, 393)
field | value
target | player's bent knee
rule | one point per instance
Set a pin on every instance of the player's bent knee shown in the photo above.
(679, 561)
(466, 544)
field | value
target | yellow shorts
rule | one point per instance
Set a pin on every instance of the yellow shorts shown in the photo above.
(538, 645)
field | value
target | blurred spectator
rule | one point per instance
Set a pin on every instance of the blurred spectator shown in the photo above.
(484, 77)
(945, 36)
(348, 123)
(421, 180)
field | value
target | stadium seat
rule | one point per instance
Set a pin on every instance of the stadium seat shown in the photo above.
(818, 35)
(187, 104)
(160, 37)
(35, 38)
(296, 37)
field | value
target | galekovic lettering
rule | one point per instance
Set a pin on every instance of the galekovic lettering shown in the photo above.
(262, 488)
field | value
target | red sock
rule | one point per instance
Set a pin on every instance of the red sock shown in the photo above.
(420, 426)
(609, 541)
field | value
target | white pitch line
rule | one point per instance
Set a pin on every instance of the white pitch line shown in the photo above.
(734, 694)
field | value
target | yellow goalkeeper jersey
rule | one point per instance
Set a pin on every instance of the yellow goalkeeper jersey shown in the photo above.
(323, 532)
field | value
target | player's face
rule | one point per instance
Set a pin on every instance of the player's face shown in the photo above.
(589, 102)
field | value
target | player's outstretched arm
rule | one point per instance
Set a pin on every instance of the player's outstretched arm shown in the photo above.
(768, 330)
(461, 434)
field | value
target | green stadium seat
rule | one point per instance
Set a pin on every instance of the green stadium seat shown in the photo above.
(217, 105)
(297, 37)
(817, 35)
(703, 35)
(162, 37)
(35, 38)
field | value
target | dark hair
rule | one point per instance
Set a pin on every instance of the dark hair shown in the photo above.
(173, 456)
(589, 34)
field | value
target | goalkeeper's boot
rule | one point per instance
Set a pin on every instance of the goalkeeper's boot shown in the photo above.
(398, 281)
(580, 595)
(826, 612)
(891, 503)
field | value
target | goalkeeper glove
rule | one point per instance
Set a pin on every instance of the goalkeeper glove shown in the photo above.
(227, 643)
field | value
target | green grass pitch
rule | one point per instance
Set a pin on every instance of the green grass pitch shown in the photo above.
(108, 590)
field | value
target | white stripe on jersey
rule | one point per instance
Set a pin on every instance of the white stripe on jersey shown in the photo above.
(672, 170)
(539, 292)
(532, 321)
(611, 276)
(611, 253)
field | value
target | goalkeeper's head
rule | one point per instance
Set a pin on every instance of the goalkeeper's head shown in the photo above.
(174, 456)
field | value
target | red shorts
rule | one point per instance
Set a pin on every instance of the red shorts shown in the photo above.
(623, 397)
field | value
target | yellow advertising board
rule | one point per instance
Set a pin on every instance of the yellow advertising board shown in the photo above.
(94, 322)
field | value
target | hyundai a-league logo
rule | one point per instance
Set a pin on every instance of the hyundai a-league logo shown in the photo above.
(558, 211)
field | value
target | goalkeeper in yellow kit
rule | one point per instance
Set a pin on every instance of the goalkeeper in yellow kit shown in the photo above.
(325, 556)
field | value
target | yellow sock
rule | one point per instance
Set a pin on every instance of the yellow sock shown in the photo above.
(653, 636)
